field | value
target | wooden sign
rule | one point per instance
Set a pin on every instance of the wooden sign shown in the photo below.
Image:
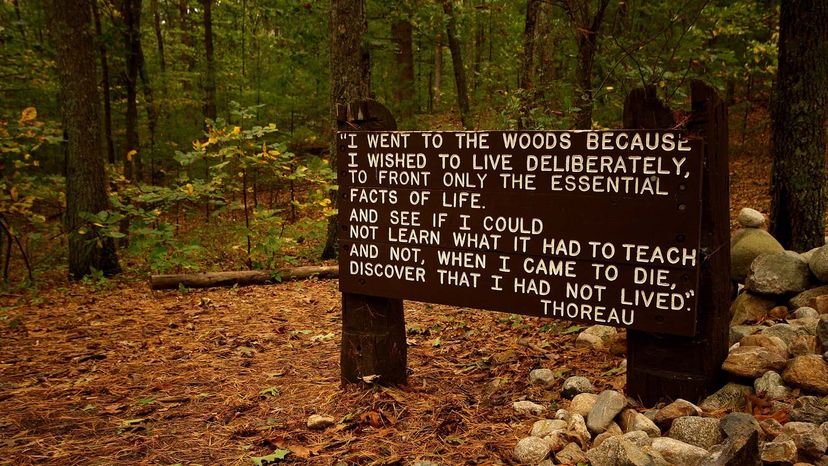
(600, 227)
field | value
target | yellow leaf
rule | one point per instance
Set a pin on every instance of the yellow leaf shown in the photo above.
(188, 189)
(14, 193)
(131, 154)
(236, 130)
(28, 114)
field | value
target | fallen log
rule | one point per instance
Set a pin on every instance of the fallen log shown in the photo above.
(241, 277)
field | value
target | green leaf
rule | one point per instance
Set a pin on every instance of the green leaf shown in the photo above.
(269, 391)
(572, 329)
(272, 458)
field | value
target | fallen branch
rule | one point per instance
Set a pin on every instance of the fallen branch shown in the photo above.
(241, 278)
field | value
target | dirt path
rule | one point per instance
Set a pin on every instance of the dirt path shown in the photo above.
(130, 376)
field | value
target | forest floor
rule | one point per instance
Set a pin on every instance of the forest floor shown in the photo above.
(111, 372)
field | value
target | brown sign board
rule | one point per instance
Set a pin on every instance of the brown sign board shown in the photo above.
(599, 227)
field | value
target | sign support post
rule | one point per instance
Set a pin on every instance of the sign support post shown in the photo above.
(373, 345)
(669, 366)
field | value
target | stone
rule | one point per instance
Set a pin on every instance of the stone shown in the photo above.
(576, 428)
(603, 332)
(678, 452)
(531, 450)
(772, 343)
(802, 345)
(818, 263)
(771, 427)
(822, 333)
(563, 415)
(585, 340)
(747, 244)
(752, 361)
(824, 429)
(779, 312)
(738, 450)
(778, 274)
(617, 344)
(631, 420)
(702, 432)
(545, 427)
(809, 439)
(821, 304)
(737, 332)
(543, 377)
(731, 396)
(822, 461)
(808, 298)
(639, 437)
(575, 385)
(805, 312)
(621, 451)
(582, 403)
(750, 218)
(665, 416)
(606, 407)
(739, 424)
(571, 454)
(771, 385)
(319, 422)
(807, 325)
(809, 372)
(557, 440)
(779, 452)
(786, 332)
(528, 408)
(599, 439)
(748, 307)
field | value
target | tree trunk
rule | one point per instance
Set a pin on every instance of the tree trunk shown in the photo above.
(209, 55)
(152, 112)
(105, 85)
(241, 278)
(350, 78)
(131, 13)
(401, 32)
(527, 100)
(19, 17)
(798, 126)
(86, 179)
(159, 37)
(457, 64)
(437, 83)
(586, 25)
(544, 48)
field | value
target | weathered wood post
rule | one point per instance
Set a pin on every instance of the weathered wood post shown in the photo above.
(373, 329)
(689, 367)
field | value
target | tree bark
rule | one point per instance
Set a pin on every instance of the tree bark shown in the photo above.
(457, 64)
(210, 111)
(587, 25)
(402, 34)
(159, 37)
(241, 278)
(437, 83)
(798, 115)
(544, 47)
(525, 78)
(350, 78)
(86, 179)
(105, 84)
(131, 13)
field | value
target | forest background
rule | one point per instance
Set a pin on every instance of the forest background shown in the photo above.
(215, 116)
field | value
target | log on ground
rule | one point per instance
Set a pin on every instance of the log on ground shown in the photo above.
(240, 278)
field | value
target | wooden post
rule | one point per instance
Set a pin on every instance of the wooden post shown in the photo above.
(664, 366)
(373, 346)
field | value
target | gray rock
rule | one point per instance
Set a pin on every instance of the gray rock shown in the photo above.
(557, 440)
(803, 345)
(599, 439)
(702, 432)
(731, 396)
(809, 372)
(545, 427)
(772, 343)
(805, 311)
(779, 452)
(778, 274)
(607, 406)
(818, 263)
(771, 427)
(824, 429)
(563, 415)
(808, 438)
(595, 336)
(737, 332)
(678, 452)
(822, 461)
(787, 332)
(771, 385)
(822, 333)
(740, 424)
(621, 451)
(319, 422)
(747, 244)
(577, 428)
(531, 450)
(639, 437)
(575, 385)
(748, 307)
(665, 416)
(631, 420)
(528, 408)
(571, 454)
(807, 324)
(808, 297)
(750, 218)
(738, 450)
(582, 403)
(585, 340)
(543, 377)
(752, 361)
